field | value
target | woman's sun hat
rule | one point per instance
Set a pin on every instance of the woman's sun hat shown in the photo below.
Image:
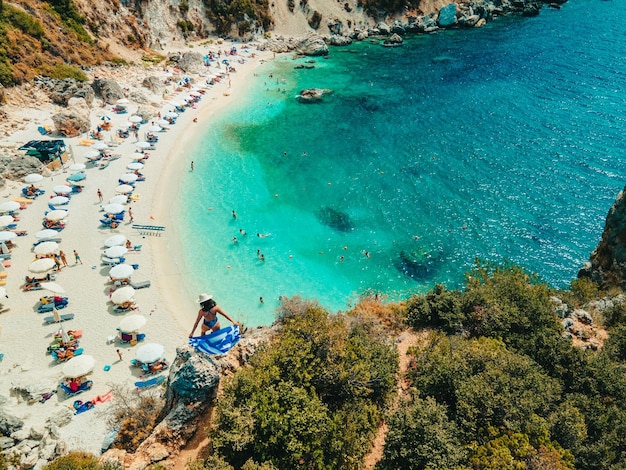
(203, 298)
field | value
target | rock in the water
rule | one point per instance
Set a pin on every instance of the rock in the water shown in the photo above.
(335, 219)
(312, 95)
(393, 40)
(447, 16)
(383, 28)
(336, 40)
(108, 90)
(313, 45)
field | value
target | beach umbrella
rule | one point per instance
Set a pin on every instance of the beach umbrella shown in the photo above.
(57, 214)
(135, 119)
(149, 353)
(143, 144)
(99, 146)
(6, 220)
(124, 189)
(163, 122)
(45, 248)
(113, 208)
(122, 101)
(77, 167)
(46, 233)
(132, 323)
(115, 240)
(121, 271)
(135, 166)
(41, 265)
(119, 199)
(58, 200)
(9, 206)
(105, 118)
(92, 154)
(76, 177)
(53, 287)
(195, 93)
(33, 178)
(155, 129)
(115, 251)
(5, 236)
(129, 177)
(79, 366)
(171, 115)
(62, 189)
(122, 295)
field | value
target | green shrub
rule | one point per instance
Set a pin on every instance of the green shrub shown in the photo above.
(75, 461)
(63, 71)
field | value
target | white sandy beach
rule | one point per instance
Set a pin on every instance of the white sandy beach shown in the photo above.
(169, 307)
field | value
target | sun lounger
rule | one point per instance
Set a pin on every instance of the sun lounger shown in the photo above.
(140, 284)
(65, 317)
(68, 355)
(83, 387)
(153, 382)
(149, 229)
(58, 240)
(112, 261)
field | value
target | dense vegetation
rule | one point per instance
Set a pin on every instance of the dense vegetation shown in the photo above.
(242, 14)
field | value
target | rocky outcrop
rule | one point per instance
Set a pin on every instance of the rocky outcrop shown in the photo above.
(189, 62)
(63, 90)
(108, 90)
(312, 45)
(312, 95)
(607, 263)
(17, 167)
(447, 16)
(154, 84)
(74, 120)
(393, 40)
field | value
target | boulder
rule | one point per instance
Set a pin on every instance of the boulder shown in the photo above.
(312, 95)
(154, 84)
(147, 113)
(28, 460)
(447, 16)
(340, 40)
(398, 29)
(312, 45)
(393, 40)
(18, 167)
(9, 423)
(71, 123)
(6, 442)
(190, 62)
(383, 28)
(63, 90)
(108, 90)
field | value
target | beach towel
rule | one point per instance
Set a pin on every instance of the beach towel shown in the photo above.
(218, 342)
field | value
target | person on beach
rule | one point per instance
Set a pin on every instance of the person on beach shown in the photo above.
(77, 258)
(192, 165)
(208, 314)
(119, 354)
(63, 258)
(131, 217)
(100, 195)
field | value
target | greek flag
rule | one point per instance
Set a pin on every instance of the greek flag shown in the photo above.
(218, 342)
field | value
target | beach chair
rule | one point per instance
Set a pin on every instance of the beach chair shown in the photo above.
(112, 261)
(140, 284)
(153, 382)
(61, 318)
(70, 353)
(82, 388)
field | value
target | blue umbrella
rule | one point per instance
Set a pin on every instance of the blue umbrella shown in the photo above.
(77, 177)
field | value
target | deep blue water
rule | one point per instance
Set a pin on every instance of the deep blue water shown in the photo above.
(504, 142)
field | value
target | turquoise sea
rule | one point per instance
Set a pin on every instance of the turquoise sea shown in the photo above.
(499, 143)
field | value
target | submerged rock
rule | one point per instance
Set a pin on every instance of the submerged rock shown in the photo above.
(417, 263)
(312, 95)
(335, 219)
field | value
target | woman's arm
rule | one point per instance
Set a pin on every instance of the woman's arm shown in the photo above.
(195, 325)
(219, 309)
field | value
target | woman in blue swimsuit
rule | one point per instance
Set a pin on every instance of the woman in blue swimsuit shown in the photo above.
(208, 314)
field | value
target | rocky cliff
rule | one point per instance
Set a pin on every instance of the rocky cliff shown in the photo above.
(607, 264)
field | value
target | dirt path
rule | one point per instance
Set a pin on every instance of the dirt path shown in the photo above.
(197, 447)
(407, 339)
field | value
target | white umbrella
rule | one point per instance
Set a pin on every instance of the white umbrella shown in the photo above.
(135, 119)
(58, 201)
(113, 208)
(41, 265)
(57, 214)
(53, 287)
(46, 233)
(62, 189)
(132, 323)
(155, 129)
(116, 251)
(121, 271)
(9, 206)
(46, 248)
(6, 220)
(77, 167)
(79, 366)
(149, 353)
(124, 189)
(129, 177)
(99, 146)
(5, 236)
(119, 199)
(33, 178)
(163, 122)
(135, 166)
(171, 115)
(143, 144)
(115, 240)
(92, 154)
(122, 295)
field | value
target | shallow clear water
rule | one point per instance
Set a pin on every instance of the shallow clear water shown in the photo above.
(504, 142)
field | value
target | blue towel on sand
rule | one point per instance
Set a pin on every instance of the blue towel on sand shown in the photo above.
(218, 342)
